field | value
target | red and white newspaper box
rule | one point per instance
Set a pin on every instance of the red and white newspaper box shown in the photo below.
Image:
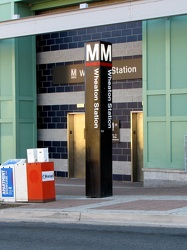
(40, 181)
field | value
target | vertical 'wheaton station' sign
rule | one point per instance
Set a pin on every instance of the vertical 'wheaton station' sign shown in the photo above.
(98, 119)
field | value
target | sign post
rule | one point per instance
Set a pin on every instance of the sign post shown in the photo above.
(98, 119)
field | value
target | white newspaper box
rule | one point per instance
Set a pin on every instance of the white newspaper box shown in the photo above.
(37, 155)
(13, 180)
(42, 155)
(21, 189)
(32, 155)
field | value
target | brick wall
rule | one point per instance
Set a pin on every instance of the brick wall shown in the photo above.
(55, 116)
(116, 33)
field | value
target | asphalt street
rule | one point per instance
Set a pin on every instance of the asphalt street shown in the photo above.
(53, 236)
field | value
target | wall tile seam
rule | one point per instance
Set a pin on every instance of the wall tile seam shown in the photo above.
(43, 69)
(119, 173)
(59, 107)
(121, 49)
(51, 143)
(123, 125)
(115, 176)
(121, 146)
(117, 86)
(49, 118)
(63, 125)
(119, 158)
(56, 134)
(93, 37)
(118, 148)
(60, 113)
(119, 96)
(74, 40)
(48, 85)
(69, 38)
(79, 35)
(45, 80)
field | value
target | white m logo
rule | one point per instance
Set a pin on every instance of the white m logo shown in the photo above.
(92, 55)
(99, 52)
(73, 73)
(106, 55)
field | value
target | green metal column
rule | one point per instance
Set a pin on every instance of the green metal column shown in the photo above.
(165, 92)
(18, 117)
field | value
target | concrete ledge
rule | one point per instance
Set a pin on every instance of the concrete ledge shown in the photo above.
(164, 178)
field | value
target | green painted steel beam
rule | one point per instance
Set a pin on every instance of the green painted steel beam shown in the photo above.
(8, 1)
(2, 2)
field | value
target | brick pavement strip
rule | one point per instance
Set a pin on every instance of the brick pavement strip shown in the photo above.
(131, 204)
(152, 205)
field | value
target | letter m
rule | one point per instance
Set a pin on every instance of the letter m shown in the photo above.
(92, 55)
(106, 54)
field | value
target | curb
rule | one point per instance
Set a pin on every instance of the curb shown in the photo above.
(136, 219)
(94, 217)
(56, 216)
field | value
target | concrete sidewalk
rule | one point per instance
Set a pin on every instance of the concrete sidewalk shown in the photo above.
(131, 204)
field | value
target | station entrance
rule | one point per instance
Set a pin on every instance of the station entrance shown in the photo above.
(76, 145)
(137, 146)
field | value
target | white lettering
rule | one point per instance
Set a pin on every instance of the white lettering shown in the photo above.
(109, 115)
(123, 70)
(109, 85)
(96, 87)
(92, 55)
(110, 98)
(106, 55)
(96, 115)
(4, 182)
(82, 72)
(48, 176)
(96, 98)
(73, 73)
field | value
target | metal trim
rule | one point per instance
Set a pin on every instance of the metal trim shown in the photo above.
(111, 14)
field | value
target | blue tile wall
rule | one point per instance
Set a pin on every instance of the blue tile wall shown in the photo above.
(45, 80)
(55, 117)
(115, 33)
(121, 112)
(61, 174)
(57, 149)
(121, 177)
